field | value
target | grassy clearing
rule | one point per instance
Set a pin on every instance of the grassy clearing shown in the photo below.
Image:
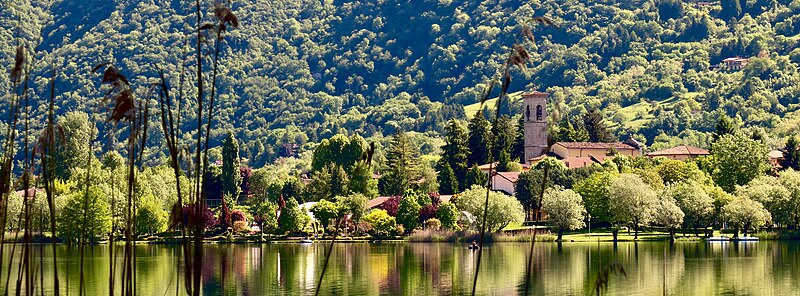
(470, 110)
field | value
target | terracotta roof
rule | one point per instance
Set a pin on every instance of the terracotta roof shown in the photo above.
(535, 93)
(679, 150)
(377, 201)
(591, 145)
(776, 154)
(512, 177)
(485, 167)
(578, 162)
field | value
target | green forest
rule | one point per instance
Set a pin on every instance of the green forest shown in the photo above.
(298, 72)
(224, 121)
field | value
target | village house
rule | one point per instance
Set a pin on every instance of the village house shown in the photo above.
(505, 181)
(679, 153)
(776, 158)
(734, 63)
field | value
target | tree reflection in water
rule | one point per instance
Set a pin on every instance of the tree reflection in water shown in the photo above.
(445, 269)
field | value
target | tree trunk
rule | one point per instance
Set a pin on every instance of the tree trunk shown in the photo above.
(746, 227)
(560, 233)
(672, 235)
(635, 232)
(615, 232)
(541, 194)
(736, 232)
(695, 231)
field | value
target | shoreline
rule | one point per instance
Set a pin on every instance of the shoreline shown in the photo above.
(453, 238)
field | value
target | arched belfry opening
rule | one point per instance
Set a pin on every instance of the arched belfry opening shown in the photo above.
(528, 113)
(539, 113)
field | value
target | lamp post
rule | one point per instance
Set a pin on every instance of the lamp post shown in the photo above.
(589, 218)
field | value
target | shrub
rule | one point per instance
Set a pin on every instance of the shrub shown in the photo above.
(188, 217)
(448, 215)
(265, 214)
(399, 229)
(325, 211)
(428, 212)
(391, 205)
(240, 227)
(433, 224)
(237, 216)
(292, 218)
(408, 212)
(380, 223)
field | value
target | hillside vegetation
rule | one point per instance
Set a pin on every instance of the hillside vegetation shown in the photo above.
(298, 72)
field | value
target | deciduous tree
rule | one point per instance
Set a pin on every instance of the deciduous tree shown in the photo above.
(632, 201)
(565, 209)
(738, 160)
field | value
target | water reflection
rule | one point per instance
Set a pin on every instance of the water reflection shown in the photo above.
(443, 269)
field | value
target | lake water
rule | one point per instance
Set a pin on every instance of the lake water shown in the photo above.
(688, 268)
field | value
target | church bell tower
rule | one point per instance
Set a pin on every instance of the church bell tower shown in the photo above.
(534, 110)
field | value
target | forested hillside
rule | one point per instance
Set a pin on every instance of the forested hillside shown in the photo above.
(298, 72)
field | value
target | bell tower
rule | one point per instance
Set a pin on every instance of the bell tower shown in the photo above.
(534, 111)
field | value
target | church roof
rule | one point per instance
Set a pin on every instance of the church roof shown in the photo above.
(679, 150)
(579, 161)
(535, 93)
(591, 145)
(512, 177)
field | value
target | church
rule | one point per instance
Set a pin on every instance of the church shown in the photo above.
(573, 154)
(537, 145)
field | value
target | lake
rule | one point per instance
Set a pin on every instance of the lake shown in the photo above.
(688, 268)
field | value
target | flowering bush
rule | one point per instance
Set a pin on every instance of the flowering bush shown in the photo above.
(391, 205)
(188, 216)
(237, 216)
(428, 212)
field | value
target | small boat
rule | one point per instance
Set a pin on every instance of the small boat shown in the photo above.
(718, 239)
(306, 241)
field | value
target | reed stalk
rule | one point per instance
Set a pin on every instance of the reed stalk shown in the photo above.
(518, 56)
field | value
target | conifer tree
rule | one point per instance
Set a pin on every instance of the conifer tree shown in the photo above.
(792, 153)
(476, 177)
(519, 143)
(401, 166)
(454, 156)
(595, 127)
(231, 176)
(448, 184)
(478, 141)
(506, 136)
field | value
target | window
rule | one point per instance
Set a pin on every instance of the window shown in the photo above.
(539, 113)
(528, 112)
